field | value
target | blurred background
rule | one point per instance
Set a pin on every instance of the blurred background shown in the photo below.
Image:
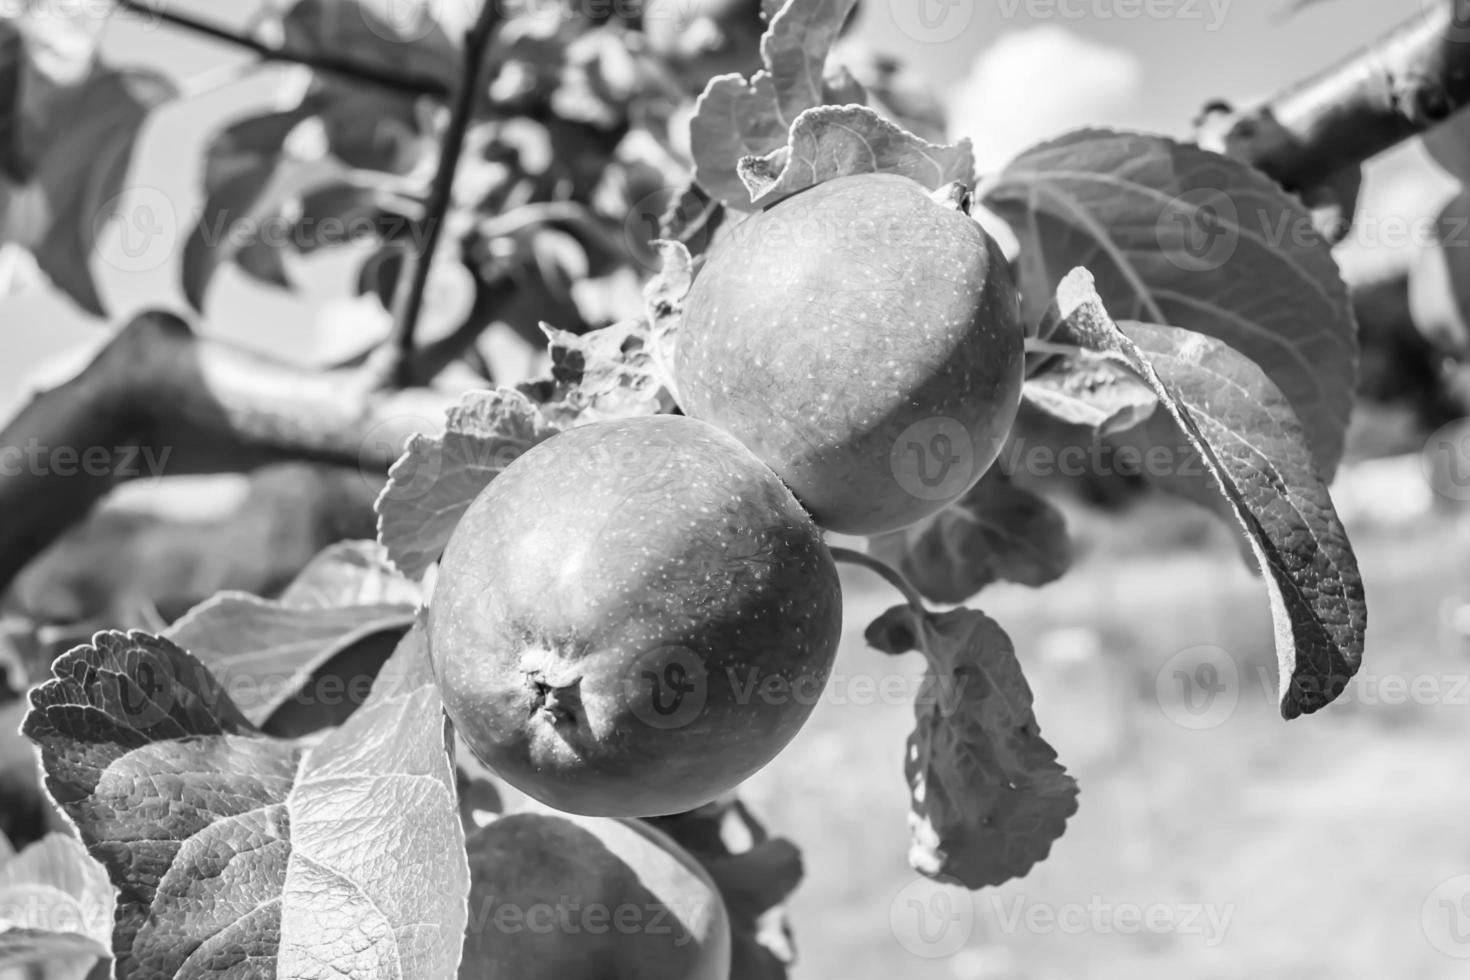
(1212, 842)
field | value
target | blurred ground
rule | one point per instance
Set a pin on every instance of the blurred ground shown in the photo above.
(1317, 845)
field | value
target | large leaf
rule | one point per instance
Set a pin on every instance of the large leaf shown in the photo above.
(410, 37)
(228, 847)
(55, 909)
(988, 796)
(1255, 451)
(1177, 235)
(998, 532)
(437, 478)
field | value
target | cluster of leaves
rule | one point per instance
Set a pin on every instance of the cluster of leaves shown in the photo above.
(241, 822)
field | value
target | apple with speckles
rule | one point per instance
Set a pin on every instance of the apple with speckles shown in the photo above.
(863, 338)
(556, 897)
(633, 618)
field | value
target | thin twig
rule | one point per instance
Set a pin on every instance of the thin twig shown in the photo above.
(887, 572)
(379, 75)
(408, 294)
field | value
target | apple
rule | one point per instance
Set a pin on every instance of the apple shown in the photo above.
(863, 338)
(560, 897)
(633, 617)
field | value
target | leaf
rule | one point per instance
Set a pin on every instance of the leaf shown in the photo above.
(236, 212)
(837, 141)
(351, 573)
(410, 38)
(74, 155)
(998, 532)
(794, 50)
(265, 652)
(1178, 235)
(663, 304)
(1254, 450)
(612, 373)
(988, 796)
(235, 852)
(1084, 389)
(733, 119)
(437, 478)
(55, 909)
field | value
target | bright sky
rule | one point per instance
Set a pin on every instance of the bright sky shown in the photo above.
(1016, 70)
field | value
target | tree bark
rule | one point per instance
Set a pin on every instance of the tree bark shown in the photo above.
(160, 401)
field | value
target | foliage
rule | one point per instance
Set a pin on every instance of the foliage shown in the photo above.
(255, 811)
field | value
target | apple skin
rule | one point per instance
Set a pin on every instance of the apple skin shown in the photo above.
(865, 341)
(547, 893)
(633, 617)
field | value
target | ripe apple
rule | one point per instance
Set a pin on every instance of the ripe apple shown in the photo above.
(556, 897)
(863, 338)
(633, 617)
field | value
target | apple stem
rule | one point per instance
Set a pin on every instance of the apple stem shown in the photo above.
(885, 571)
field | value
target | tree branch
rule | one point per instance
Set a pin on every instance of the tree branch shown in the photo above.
(408, 297)
(379, 75)
(159, 401)
(1402, 85)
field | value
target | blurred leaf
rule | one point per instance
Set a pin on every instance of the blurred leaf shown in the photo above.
(1439, 280)
(1254, 451)
(1084, 389)
(438, 477)
(837, 141)
(69, 125)
(55, 910)
(407, 37)
(988, 796)
(1177, 235)
(997, 532)
(225, 842)
(351, 573)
